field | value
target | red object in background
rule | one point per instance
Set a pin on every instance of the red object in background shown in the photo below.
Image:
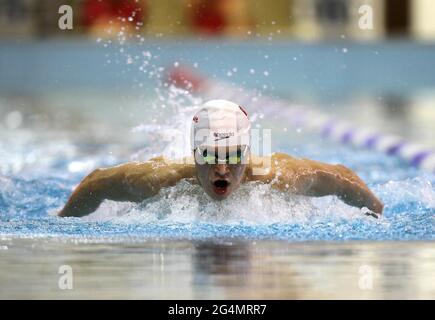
(95, 10)
(207, 17)
(186, 78)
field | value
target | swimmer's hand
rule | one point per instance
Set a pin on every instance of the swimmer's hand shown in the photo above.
(312, 178)
(128, 182)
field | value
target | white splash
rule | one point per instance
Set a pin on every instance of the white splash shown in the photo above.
(252, 203)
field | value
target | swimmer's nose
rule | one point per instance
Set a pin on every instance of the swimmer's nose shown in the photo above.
(221, 170)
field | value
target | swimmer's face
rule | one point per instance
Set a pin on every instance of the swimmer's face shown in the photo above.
(220, 170)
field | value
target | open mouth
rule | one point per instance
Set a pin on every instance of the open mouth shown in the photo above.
(220, 186)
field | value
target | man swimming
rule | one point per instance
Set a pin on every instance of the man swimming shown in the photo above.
(221, 161)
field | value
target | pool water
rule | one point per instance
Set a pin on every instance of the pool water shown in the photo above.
(40, 168)
(231, 269)
(259, 243)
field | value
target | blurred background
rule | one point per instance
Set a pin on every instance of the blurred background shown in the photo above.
(240, 19)
(370, 57)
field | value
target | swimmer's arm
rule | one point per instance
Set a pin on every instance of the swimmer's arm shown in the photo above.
(344, 183)
(312, 178)
(128, 182)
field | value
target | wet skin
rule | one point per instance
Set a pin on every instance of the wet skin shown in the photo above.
(136, 181)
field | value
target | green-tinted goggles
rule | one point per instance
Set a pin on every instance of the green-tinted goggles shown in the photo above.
(212, 157)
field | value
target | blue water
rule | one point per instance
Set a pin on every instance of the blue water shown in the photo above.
(105, 124)
(39, 172)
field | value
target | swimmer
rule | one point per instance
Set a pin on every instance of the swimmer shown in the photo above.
(221, 160)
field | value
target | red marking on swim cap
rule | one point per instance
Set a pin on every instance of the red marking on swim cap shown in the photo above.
(195, 119)
(243, 110)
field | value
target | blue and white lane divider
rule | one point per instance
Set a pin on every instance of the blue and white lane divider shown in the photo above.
(327, 126)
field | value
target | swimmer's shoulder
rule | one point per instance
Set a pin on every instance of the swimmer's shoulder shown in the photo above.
(155, 164)
(160, 161)
(265, 168)
(273, 160)
(299, 165)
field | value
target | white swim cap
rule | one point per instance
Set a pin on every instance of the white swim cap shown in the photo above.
(220, 123)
